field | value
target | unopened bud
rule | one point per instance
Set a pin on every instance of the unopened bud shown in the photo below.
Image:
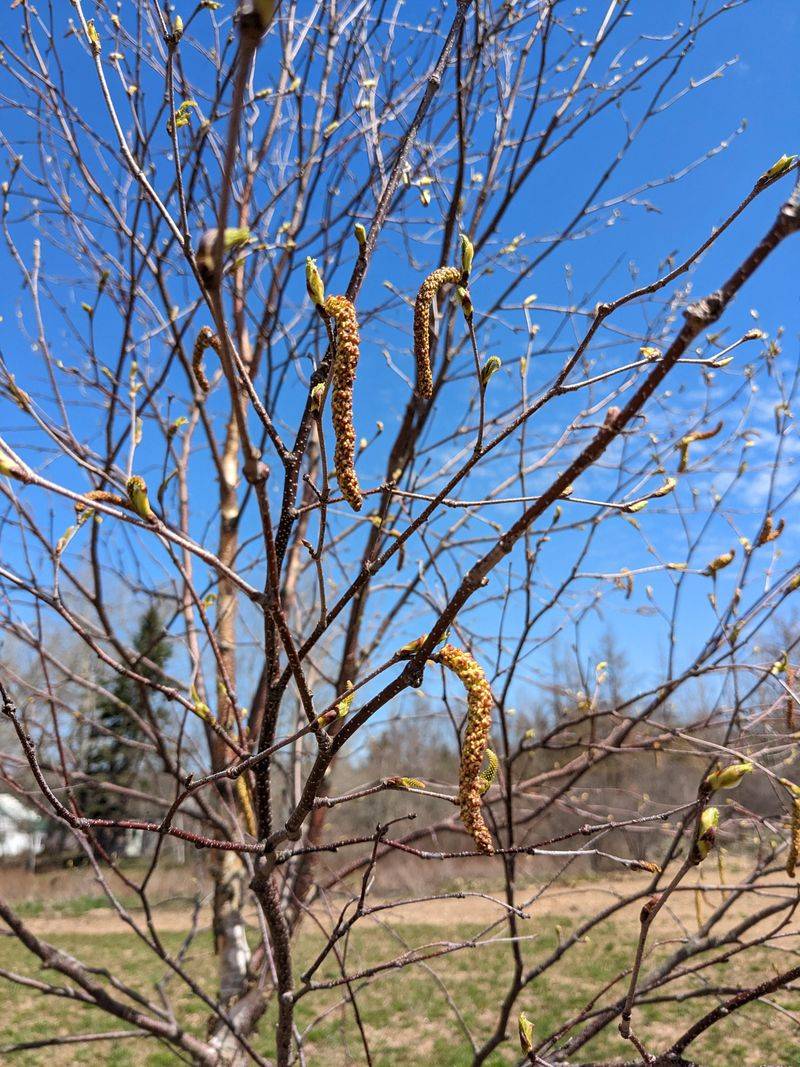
(137, 494)
(666, 488)
(490, 367)
(778, 169)
(467, 254)
(706, 835)
(231, 238)
(525, 1027)
(720, 563)
(465, 300)
(649, 907)
(314, 283)
(93, 35)
(728, 777)
(317, 396)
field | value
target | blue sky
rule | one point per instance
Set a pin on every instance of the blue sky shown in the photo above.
(756, 48)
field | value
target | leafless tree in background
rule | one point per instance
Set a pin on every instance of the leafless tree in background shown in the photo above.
(167, 439)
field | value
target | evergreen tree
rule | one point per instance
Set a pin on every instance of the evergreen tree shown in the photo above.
(109, 757)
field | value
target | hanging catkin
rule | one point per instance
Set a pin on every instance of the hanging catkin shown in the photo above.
(794, 841)
(345, 362)
(422, 324)
(476, 736)
(205, 339)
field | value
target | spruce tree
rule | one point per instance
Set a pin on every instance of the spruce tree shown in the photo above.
(109, 757)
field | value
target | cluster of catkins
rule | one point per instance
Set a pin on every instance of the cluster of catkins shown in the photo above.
(340, 311)
(428, 292)
(471, 782)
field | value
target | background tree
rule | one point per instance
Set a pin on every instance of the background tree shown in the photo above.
(540, 438)
(112, 752)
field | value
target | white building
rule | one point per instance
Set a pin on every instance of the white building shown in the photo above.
(21, 832)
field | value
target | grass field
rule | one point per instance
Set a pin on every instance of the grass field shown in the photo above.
(406, 1013)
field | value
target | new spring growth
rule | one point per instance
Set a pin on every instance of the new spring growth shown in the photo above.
(345, 362)
(340, 710)
(706, 835)
(525, 1027)
(137, 494)
(102, 497)
(205, 339)
(720, 563)
(689, 439)
(777, 170)
(490, 368)
(467, 255)
(93, 35)
(8, 467)
(411, 649)
(728, 777)
(232, 238)
(476, 735)
(769, 531)
(650, 906)
(19, 396)
(465, 301)
(397, 782)
(314, 283)
(201, 709)
(666, 488)
(344, 705)
(182, 116)
(422, 324)
(361, 235)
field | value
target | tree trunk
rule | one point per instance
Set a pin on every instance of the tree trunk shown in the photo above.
(230, 937)
(228, 872)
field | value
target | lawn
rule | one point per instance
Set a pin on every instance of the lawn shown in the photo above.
(408, 1014)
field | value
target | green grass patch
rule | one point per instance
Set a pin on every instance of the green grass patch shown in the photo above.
(408, 1014)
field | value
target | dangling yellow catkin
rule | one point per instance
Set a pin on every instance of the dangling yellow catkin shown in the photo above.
(102, 497)
(345, 362)
(245, 799)
(422, 324)
(205, 339)
(794, 844)
(476, 736)
(698, 907)
(790, 681)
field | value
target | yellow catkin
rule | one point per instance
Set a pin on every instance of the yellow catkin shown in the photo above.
(345, 362)
(422, 324)
(790, 682)
(245, 800)
(476, 736)
(102, 497)
(205, 339)
(794, 844)
(698, 907)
